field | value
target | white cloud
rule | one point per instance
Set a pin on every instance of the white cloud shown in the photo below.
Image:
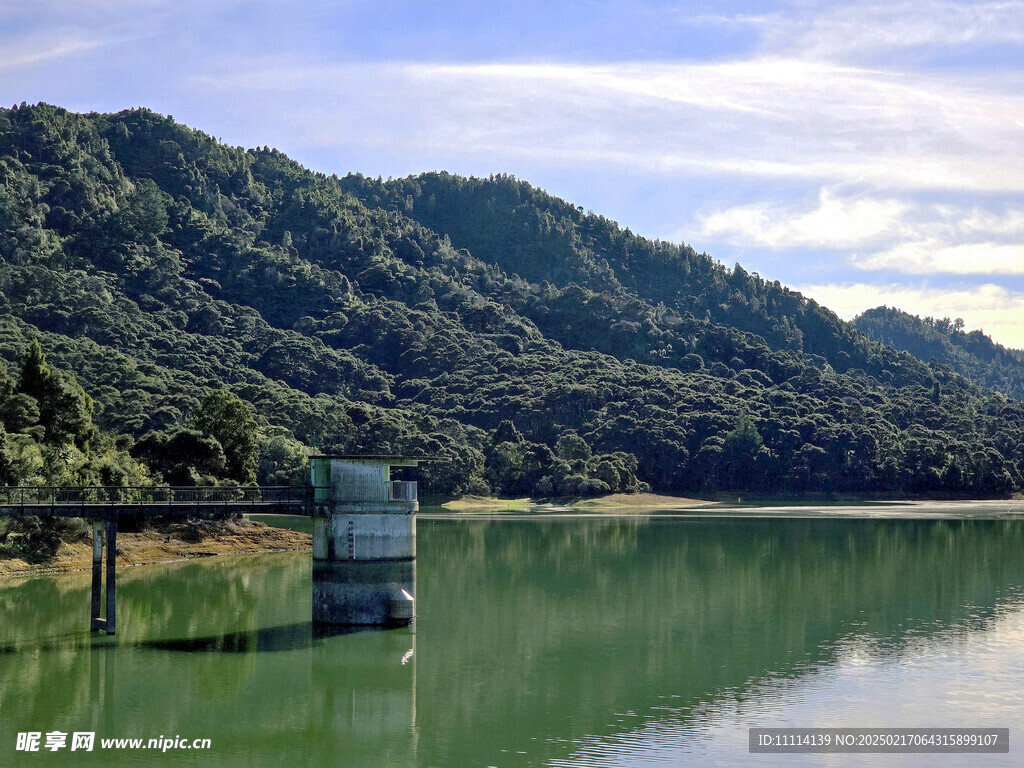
(813, 112)
(47, 47)
(991, 308)
(850, 30)
(856, 29)
(932, 256)
(784, 119)
(834, 223)
(879, 233)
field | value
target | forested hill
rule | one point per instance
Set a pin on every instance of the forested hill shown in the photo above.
(546, 350)
(972, 354)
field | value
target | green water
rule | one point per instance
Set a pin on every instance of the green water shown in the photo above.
(557, 641)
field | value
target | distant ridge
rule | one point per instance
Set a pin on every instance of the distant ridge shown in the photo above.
(971, 354)
(545, 350)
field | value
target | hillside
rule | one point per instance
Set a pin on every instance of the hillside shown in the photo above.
(971, 354)
(546, 350)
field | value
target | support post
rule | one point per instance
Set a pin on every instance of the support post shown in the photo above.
(96, 623)
(111, 565)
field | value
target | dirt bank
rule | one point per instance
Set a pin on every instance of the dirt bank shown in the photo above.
(176, 541)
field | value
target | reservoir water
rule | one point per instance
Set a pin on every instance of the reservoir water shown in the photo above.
(545, 641)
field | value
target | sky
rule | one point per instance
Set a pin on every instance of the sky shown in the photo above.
(862, 153)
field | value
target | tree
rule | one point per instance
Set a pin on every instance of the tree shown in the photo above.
(572, 447)
(223, 416)
(282, 462)
(8, 473)
(19, 412)
(506, 432)
(505, 467)
(740, 451)
(35, 373)
(183, 457)
(65, 410)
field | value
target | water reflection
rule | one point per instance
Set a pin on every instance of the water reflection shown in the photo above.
(535, 639)
(947, 678)
(287, 637)
(563, 631)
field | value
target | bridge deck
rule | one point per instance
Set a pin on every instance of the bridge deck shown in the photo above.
(99, 502)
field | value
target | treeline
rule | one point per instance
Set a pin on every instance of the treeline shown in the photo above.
(48, 438)
(972, 354)
(546, 350)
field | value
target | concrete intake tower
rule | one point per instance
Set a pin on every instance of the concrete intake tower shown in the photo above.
(364, 541)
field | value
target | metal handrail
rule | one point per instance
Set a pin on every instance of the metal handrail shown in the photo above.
(48, 495)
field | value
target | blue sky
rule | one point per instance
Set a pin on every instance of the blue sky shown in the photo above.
(864, 153)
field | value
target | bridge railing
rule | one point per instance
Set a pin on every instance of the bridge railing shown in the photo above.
(35, 496)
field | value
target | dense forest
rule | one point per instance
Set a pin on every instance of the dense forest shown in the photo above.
(217, 313)
(972, 354)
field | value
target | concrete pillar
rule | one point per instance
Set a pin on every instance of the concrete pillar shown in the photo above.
(361, 592)
(109, 624)
(111, 578)
(364, 542)
(95, 622)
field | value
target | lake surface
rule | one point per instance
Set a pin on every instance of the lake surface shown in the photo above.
(551, 641)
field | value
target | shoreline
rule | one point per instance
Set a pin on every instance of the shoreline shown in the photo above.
(170, 543)
(641, 503)
(177, 541)
(615, 502)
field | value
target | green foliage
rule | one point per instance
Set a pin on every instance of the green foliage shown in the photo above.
(20, 412)
(182, 457)
(8, 471)
(212, 298)
(36, 375)
(571, 447)
(743, 455)
(37, 540)
(54, 399)
(945, 342)
(282, 461)
(224, 417)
